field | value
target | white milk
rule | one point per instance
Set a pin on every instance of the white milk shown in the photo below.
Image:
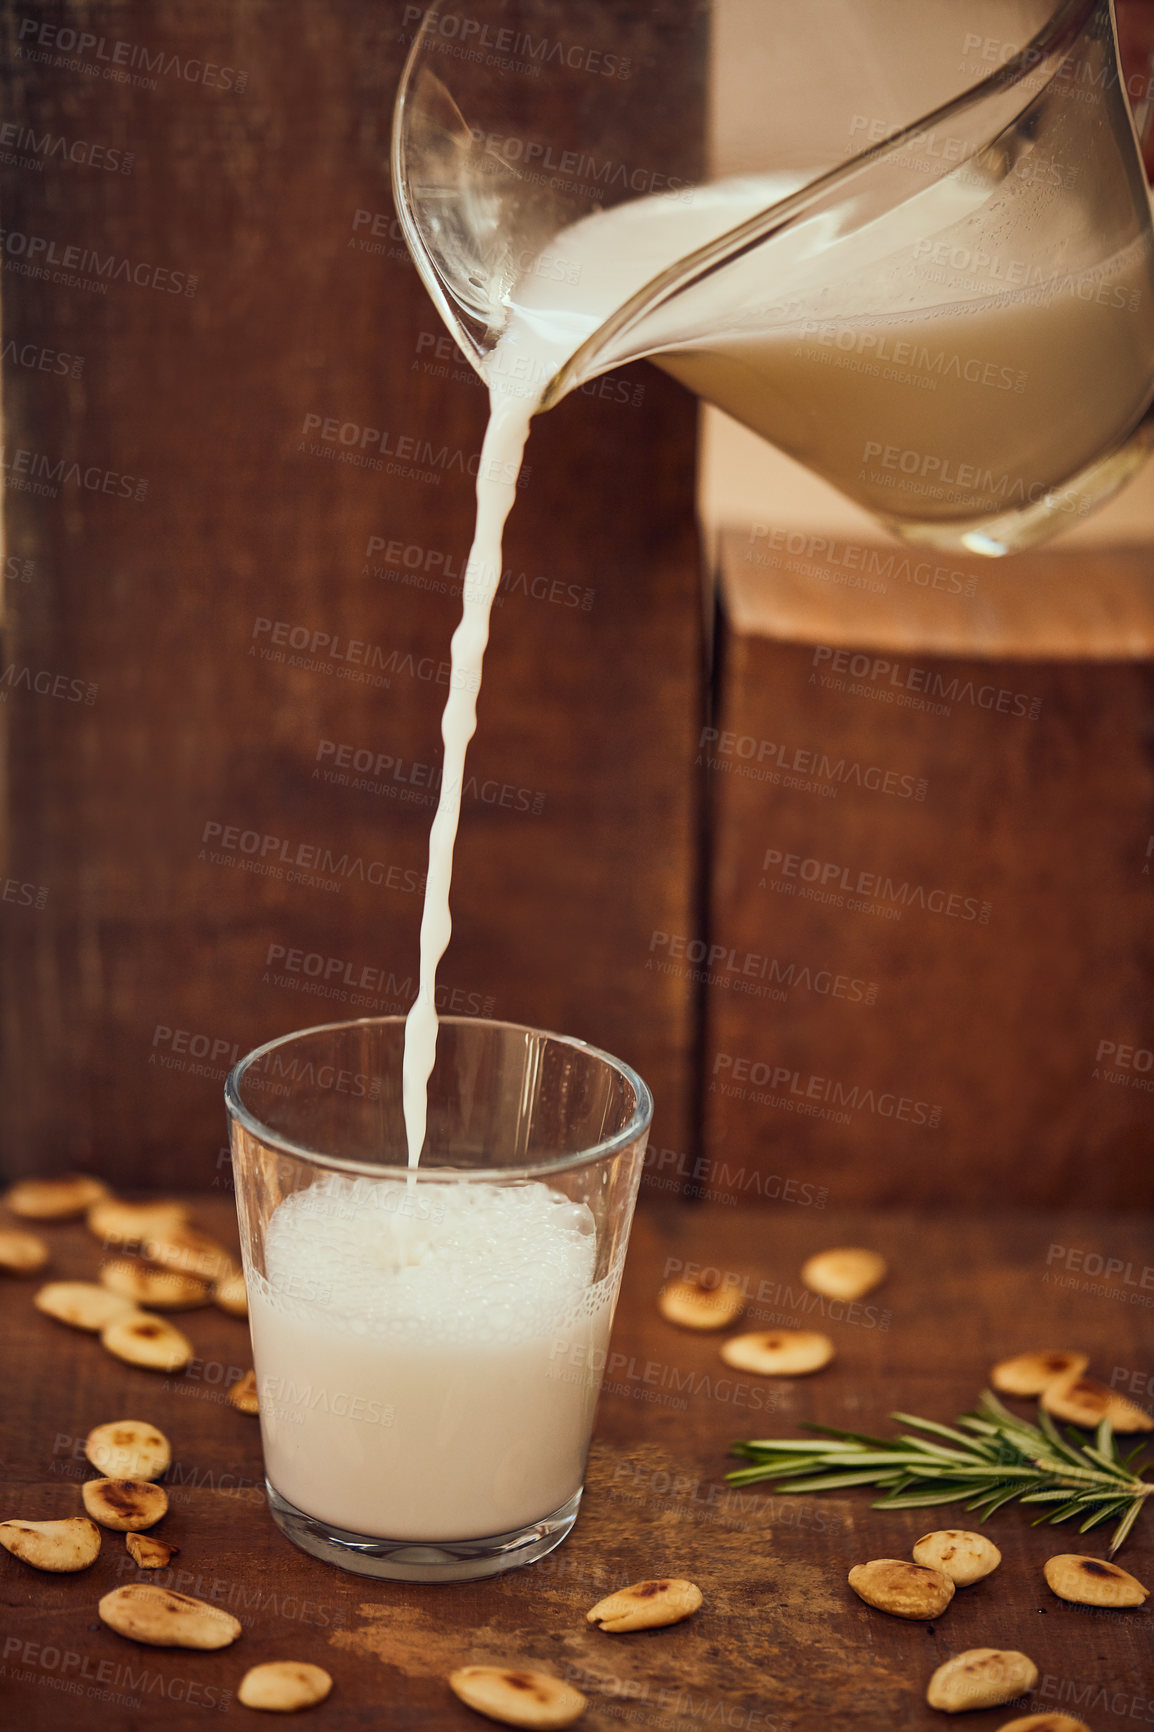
(894, 361)
(425, 1356)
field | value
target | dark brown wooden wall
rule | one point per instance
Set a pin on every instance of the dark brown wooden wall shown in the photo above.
(172, 498)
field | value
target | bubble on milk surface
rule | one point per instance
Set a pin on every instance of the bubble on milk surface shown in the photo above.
(486, 1262)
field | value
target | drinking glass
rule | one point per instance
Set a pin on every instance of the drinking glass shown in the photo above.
(428, 1342)
(927, 272)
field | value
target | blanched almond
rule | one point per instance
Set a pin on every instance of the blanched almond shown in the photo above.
(21, 1253)
(59, 1546)
(1031, 1373)
(231, 1295)
(148, 1341)
(116, 1222)
(779, 1352)
(163, 1619)
(517, 1697)
(964, 1557)
(124, 1504)
(128, 1449)
(1085, 1401)
(846, 1273)
(149, 1552)
(243, 1394)
(903, 1589)
(980, 1678)
(156, 1289)
(187, 1251)
(647, 1605)
(1092, 1582)
(82, 1304)
(692, 1305)
(1045, 1723)
(54, 1199)
(283, 1686)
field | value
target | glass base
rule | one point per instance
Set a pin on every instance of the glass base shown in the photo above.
(411, 1561)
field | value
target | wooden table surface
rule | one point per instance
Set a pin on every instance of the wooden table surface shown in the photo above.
(780, 1642)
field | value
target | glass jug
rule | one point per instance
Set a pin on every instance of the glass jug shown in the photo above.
(930, 279)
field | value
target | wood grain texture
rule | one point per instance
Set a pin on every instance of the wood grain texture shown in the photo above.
(780, 1642)
(931, 895)
(226, 816)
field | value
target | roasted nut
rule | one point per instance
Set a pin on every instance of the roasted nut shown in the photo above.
(903, 1589)
(1045, 1723)
(647, 1605)
(517, 1697)
(116, 1222)
(186, 1251)
(779, 1352)
(159, 1289)
(283, 1686)
(54, 1199)
(60, 1546)
(846, 1273)
(243, 1394)
(1085, 1401)
(124, 1504)
(963, 1556)
(1031, 1373)
(980, 1678)
(150, 1553)
(1092, 1582)
(163, 1619)
(82, 1304)
(148, 1341)
(21, 1253)
(693, 1305)
(128, 1449)
(231, 1295)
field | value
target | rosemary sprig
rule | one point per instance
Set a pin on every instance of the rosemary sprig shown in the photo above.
(997, 1458)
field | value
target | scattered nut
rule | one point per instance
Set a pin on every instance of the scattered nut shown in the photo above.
(1092, 1582)
(60, 1546)
(964, 1557)
(779, 1352)
(128, 1449)
(150, 1553)
(1045, 1723)
(21, 1253)
(693, 1305)
(1031, 1373)
(232, 1295)
(189, 1252)
(646, 1605)
(116, 1222)
(1085, 1401)
(243, 1394)
(980, 1678)
(54, 1199)
(148, 1341)
(164, 1619)
(160, 1289)
(903, 1589)
(124, 1504)
(283, 1686)
(82, 1304)
(517, 1697)
(847, 1273)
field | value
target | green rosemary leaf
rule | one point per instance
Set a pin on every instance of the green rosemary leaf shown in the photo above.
(1124, 1526)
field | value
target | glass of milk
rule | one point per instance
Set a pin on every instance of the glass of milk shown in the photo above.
(428, 1340)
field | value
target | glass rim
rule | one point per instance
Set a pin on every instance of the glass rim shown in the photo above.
(239, 1112)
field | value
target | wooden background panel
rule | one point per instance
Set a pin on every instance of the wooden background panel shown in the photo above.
(932, 918)
(217, 621)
